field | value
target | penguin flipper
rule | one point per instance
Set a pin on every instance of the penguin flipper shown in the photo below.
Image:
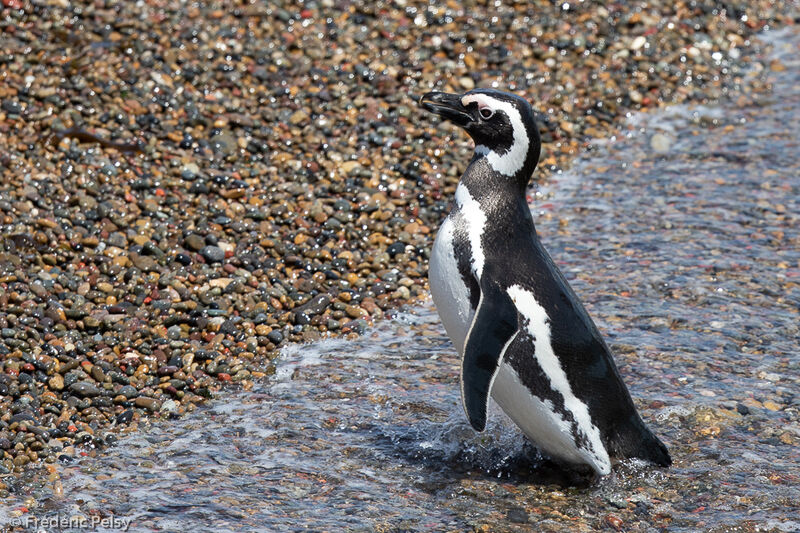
(494, 325)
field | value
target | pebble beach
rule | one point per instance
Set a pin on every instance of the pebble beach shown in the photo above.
(186, 189)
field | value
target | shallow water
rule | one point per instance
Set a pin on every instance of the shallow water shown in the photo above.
(689, 261)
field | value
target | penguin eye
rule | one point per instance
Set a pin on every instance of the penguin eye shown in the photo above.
(486, 112)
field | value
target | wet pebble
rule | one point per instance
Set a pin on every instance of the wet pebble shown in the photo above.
(660, 143)
(84, 388)
(213, 254)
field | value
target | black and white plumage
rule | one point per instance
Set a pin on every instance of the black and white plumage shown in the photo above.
(523, 334)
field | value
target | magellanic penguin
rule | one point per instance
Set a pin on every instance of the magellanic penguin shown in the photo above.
(522, 333)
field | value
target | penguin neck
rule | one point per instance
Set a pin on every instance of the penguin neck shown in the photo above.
(502, 198)
(514, 163)
(485, 182)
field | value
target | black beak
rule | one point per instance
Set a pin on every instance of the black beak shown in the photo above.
(447, 106)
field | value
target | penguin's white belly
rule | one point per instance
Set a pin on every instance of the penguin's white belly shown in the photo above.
(449, 292)
(537, 419)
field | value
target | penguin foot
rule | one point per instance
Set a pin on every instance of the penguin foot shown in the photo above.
(555, 472)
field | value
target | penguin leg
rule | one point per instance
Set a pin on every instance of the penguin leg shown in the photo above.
(493, 328)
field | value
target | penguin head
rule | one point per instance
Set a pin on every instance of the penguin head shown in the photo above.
(500, 123)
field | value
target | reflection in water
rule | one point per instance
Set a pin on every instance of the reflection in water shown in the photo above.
(684, 241)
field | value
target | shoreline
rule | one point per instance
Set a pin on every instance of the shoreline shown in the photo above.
(117, 300)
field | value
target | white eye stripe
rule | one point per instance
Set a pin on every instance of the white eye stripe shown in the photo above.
(484, 107)
(481, 99)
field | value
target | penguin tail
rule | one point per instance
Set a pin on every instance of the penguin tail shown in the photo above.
(652, 450)
(640, 443)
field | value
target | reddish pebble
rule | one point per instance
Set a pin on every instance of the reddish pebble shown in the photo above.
(614, 521)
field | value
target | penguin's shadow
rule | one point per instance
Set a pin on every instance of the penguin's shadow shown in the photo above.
(447, 455)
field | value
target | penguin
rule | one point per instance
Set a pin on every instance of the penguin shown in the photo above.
(523, 335)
